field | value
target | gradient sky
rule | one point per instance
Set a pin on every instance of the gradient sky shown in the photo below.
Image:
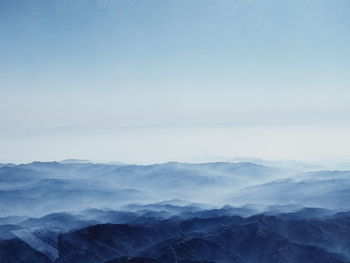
(151, 81)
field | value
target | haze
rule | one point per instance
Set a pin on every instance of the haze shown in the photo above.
(152, 81)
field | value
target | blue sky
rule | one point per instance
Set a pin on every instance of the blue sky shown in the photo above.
(91, 66)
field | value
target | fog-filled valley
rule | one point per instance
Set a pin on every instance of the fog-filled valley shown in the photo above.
(246, 210)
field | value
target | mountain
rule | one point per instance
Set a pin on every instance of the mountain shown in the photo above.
(222, 212)
(219, 239)
(326, 189)
(75, 161)
(40, 188)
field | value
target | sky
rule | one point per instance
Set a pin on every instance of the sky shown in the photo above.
(152, 81)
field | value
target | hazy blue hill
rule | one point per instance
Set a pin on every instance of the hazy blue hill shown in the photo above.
(222, 212)
(327, 192)
(283, 164)
(308, 235)
(12, 175)
(217, 239)
(307, 212)
(44, 187)
(57, 186)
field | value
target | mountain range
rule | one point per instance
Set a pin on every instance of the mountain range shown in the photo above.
(224, 212)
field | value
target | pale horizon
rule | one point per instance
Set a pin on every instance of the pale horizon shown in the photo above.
(150, 81)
